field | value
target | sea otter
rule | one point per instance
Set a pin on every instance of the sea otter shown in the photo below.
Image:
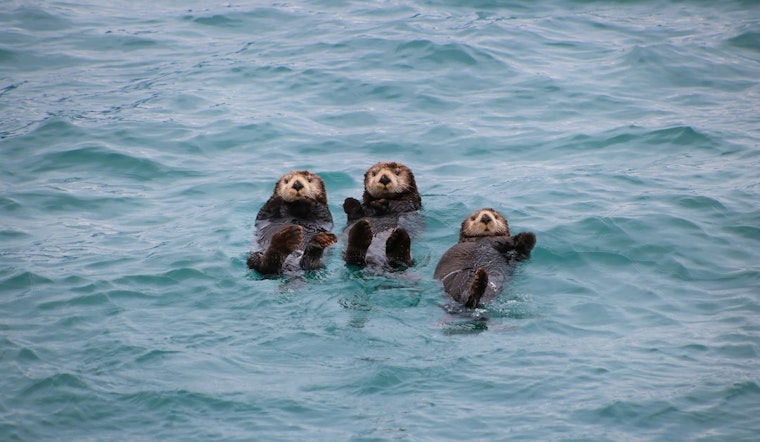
(294, 223)
(475, 269)
(379, 227)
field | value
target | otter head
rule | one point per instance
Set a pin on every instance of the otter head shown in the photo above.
(483, 223)
(300, 184)
(388, 180)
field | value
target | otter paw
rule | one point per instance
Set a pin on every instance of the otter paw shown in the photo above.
(398, 249)
(524, 243)
(504, 245)
(359, 239)
(477, 288)
(312, 254)
(253, 260)
(324, 239)
(287, 240)
(353, 208)
(381, 204)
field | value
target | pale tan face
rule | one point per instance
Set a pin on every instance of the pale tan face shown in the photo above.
(485, 222)
(300, 184)
(385, 180)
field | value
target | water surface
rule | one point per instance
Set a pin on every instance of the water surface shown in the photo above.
(139, 139)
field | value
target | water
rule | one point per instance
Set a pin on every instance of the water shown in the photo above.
(139, 139)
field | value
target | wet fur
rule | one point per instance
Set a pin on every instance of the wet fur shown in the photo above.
(474, 270)
(294, 223)
(387, 213)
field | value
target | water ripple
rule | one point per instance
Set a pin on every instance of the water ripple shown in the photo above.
(140, 140)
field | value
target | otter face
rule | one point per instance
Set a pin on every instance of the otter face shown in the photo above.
(387, 180)
(484, 222)
(301, 184)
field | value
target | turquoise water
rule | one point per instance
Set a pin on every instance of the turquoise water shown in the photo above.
(139, 139)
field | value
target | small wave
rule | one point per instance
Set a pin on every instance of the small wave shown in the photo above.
(57, 128)
(166, 280)
(24, 281)
(222, 21)
(425, 52)
(355, 303)
(668, 65)
(22, 352)
(36, 19)
(154, 355)
(28, 355)
(128, 42)
(681, 135)
(9, 205)
(5, 57)
(464, 326)
(12, 86)
(624, 136)
(88, 300)
(183, 401)
(55, 384)
(748, 40)
(356, 119)
(106, 160)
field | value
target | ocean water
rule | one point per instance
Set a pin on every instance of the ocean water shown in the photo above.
(139, 139)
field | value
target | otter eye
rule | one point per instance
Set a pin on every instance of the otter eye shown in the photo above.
(398, 172)
(286, 181)
(473, 217)
(310, 179)
(374, 173)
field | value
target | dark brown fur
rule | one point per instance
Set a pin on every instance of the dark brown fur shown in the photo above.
(287, 224)
(475, 269)
(383, 211)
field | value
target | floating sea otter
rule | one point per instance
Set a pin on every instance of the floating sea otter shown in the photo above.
(293, 227)
(476, 268)
(379, 227)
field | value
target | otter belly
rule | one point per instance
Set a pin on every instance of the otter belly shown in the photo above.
(382, 228)
(266, 229)
(458, 265)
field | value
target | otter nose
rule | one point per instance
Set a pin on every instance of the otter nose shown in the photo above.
(485, 219)
(297, 185)
(384, 180)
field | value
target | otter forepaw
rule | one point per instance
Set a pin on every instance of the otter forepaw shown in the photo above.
(323, 239)
(312, 255)
(504, 245)
(287, 240)
(524, 243)
(353, 208)
(381, 204)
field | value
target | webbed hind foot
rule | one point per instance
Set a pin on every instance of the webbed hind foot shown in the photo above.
(359, 239)
(283, 243)
(398, 249)
(477, 288)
